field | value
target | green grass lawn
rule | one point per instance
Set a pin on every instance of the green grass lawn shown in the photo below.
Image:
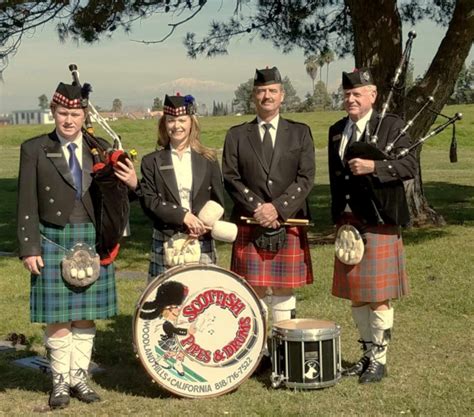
(430, 359)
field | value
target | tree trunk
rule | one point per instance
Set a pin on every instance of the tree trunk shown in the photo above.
(377, 29)
(439, 82)
(377, 44)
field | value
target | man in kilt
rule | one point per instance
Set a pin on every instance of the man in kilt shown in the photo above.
(55, 212)
(268, 166)
(369, 195)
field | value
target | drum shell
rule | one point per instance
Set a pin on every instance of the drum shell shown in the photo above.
(305, 356)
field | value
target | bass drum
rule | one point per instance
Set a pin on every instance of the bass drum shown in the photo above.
(199, 330)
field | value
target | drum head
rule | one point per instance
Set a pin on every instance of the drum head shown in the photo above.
(199, 330)
(301, 324)
(305, 329)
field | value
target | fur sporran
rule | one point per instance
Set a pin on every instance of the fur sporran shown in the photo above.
(269, 239)
(349, 245)
(181, 249)
(80, 266)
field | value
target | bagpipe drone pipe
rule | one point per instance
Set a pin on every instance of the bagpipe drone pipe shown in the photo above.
(110, 196)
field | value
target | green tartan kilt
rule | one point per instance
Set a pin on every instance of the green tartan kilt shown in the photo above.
(51, 299)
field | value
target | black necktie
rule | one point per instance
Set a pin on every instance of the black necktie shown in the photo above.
(353, 137)
(76, 170)
(267, 144)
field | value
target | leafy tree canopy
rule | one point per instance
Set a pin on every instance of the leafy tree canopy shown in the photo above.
(157, 104)
(314, 25)
(117, 105)
(43, 102)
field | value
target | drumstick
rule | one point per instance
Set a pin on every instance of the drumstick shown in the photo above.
(289, 222)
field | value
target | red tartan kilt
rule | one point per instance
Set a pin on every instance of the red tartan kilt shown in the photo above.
(290, 267)
(381, 275)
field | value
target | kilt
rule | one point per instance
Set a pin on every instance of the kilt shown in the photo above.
(290, 267)
(157, 258)
(381, 275)
(51, 299)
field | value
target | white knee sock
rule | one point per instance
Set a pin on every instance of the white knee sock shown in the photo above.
(381, 321)
(59, 353)
(266, 302)
(82, 343)
(282, 305)
(361, 316)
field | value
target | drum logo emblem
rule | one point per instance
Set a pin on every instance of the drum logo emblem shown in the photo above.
(311, 369)
(201, 311)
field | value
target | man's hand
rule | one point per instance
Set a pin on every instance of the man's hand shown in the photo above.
(267, 216)
(33, 264)
(360, 166)
(126, 173)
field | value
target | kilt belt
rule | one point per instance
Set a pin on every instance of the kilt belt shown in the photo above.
(290, 267)
(51, 299)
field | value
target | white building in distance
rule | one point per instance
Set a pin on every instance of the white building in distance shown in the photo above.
(32, 117)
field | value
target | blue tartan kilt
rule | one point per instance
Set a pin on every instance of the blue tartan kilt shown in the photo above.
(157, 258)
(54, 301)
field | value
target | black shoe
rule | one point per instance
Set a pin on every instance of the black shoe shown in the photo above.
(374, 373)
(358, 368)
(84, 393)
(59, 397)
(264, 365)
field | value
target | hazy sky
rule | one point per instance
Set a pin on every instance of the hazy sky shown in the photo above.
(136, 73)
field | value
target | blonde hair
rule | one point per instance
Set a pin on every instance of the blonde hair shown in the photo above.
(193, 140)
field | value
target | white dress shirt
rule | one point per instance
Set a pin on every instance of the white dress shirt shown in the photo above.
(346, 135)
(273, 128)
(64, 146)
(184, 175)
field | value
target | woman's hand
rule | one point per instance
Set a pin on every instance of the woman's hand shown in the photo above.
(196, 227)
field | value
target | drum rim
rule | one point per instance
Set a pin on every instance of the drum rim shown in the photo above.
(158, 281)
(314, 385)
(305, 320)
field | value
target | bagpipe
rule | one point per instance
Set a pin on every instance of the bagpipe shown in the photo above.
(110, 196)
(386, 195)
(369, 150)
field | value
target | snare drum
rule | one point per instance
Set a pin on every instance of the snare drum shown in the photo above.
(306, 353)
(199, 330)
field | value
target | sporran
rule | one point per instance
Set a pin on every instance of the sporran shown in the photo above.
(80, 266)
(180, 249)
(349, 245)
(269, 239)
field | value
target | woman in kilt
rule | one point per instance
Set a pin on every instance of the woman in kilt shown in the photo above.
(177, 181)
(369, 196)
(55, 212)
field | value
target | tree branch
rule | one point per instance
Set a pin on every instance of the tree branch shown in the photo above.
(173, 27)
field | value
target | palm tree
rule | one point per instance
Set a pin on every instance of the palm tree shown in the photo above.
(312, 65)
(328, 57)
(321, 62)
